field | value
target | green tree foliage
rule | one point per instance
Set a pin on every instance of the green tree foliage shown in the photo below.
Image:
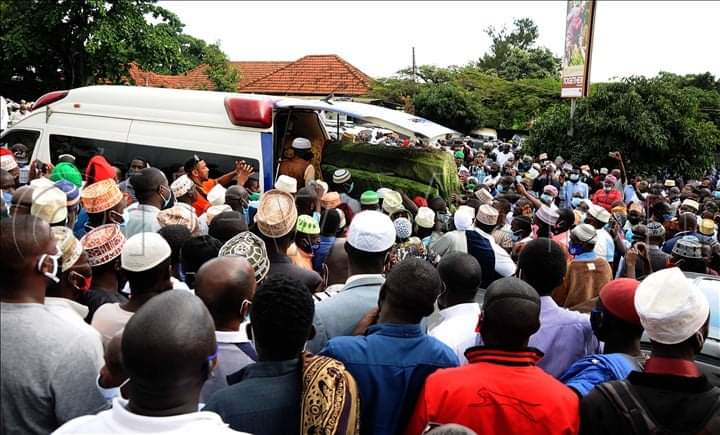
(513, 54)
(449, 105)
(219, 71)
(51, 45)
(655, 123)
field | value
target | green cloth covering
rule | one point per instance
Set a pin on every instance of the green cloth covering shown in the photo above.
(459, 155)
(416, 171)
(67, 171)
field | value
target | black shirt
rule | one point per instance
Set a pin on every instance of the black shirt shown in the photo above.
(677, 403)
(281, 264)
(263, 398)
(93, 299)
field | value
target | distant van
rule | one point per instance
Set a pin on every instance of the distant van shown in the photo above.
(169, 126)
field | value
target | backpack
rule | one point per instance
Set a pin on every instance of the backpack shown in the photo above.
(630, 408)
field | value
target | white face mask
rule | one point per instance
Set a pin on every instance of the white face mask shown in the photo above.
(110, 393)
(53, 276)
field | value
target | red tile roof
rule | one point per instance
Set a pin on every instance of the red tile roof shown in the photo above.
(313, 75)
(253, 70)
(193, 79)
(310, 75)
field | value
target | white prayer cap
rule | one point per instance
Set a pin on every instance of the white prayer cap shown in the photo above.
(371, 231)
(671, 308)
(392, 202)
(181, 186)
(463, 217)
(382, 191)
(585, 233)
(49, 204)
(143, 251)
(547, 215)
(301, 143)
(216, 195)
(286, 184)
(483, 196)
(599, 213)
(425, 217)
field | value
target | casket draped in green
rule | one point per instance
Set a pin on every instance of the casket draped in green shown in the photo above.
(425, 172)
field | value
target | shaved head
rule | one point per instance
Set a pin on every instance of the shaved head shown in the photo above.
(166, 344)
(237, 197)
(511, 313)
(223, 284)
(22, 240)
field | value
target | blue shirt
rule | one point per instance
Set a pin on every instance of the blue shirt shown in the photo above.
(569, 189)
(592, 370)
(321, 253)
(390, 364)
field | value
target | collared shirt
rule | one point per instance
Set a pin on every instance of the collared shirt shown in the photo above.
(234, 352)
(120, 420)
(75, 313)
(500, 391)
(569, 190)
(390, 364)
(263, 398)
(457, 328)
(564, 337)
(141, 219)
(340, 314)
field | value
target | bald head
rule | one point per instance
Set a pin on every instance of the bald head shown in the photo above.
(23, 239)
(166, 344)
(223, 283)
(511, 313)
(237, 197)
(21, 201)
(147, 184)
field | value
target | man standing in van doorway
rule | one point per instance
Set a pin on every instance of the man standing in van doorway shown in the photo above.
(199, 173)
(299, 166)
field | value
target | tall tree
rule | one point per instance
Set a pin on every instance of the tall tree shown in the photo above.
(219, 71)
(64, 44)
(513, 54)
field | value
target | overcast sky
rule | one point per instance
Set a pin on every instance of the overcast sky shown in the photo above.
(631, 38)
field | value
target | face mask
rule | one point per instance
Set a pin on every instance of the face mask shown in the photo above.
(444, 220)
(500, 188)
(575, 249)
(517, 236)
(628, 235)
(716, 194)
(85, 280)
(576, 202)
(167, 202)
(316, 216)
(109, 393)
(7, 197)
(547, 199)
(607, 188)
(582, 217)
(351, 187)
(634, 220)
(667, 217)
(52, 276)
(574, 178)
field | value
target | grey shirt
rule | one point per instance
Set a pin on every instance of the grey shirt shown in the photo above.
(339, 314)
(48, 373)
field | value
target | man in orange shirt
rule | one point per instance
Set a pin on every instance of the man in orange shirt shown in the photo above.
(199, 173)
(501, 390)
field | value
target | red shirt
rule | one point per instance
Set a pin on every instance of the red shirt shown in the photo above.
(201, 203)
(498, 392)
(606, 199)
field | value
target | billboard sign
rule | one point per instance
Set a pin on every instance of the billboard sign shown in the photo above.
(575, 71)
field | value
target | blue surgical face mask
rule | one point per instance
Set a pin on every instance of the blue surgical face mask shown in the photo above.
(7, 197)
(574, 178)
(547, 199)
(499, 188)
(517, 236)
(628, 235)
(576, 202)
(109, 393)
(667, 217)
(716, 194)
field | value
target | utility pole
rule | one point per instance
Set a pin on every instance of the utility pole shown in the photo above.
(414, 70)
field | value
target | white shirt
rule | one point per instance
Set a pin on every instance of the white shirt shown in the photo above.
(120, 420)
(504, 265)
(74, 314)
(110, 319)
(457, 328)
(605, 246)
(142, 218)
(502, 158)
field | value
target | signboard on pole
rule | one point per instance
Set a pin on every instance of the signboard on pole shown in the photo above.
(575, 72)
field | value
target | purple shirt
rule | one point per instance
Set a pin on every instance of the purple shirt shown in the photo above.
(564, 337)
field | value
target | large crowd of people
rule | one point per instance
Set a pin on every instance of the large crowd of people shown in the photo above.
(181, 303)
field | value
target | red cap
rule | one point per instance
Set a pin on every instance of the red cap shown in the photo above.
(420, 201)
(5, 152)
(618, 298)
(98, 169)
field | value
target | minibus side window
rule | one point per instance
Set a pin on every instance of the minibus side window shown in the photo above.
(121, 153)
(26, 137)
